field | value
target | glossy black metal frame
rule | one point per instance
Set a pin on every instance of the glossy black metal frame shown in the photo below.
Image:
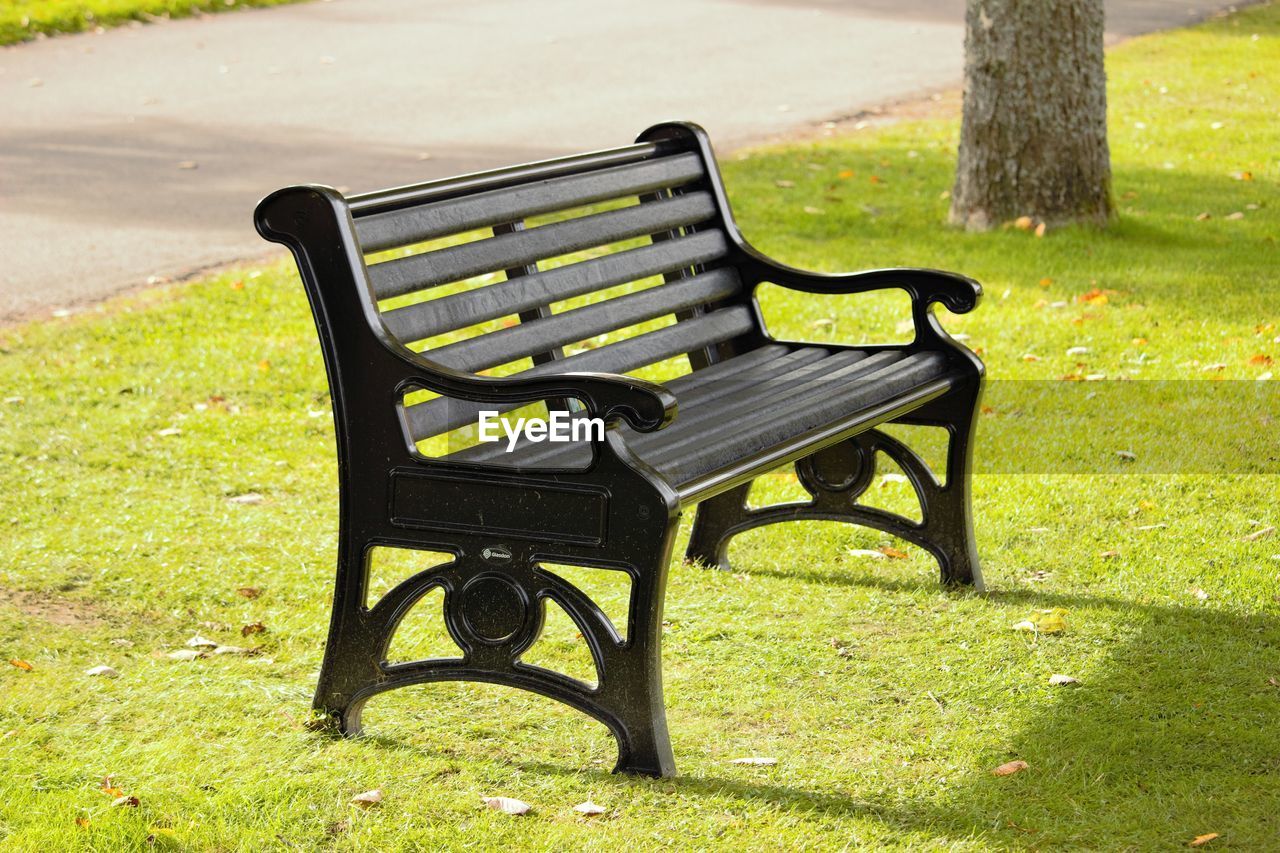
(618, 513)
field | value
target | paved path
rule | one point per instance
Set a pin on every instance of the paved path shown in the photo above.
(141, 151)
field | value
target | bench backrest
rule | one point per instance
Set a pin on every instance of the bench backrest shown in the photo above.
(649, 221)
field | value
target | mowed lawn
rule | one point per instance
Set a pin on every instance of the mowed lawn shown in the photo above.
(130, 436)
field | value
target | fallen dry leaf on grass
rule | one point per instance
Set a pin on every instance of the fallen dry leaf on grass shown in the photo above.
(82, 822)
(1011, 767)
(103, 671)
(108, 787)
(507, 805)
(185, 654)
(253, 628)
(249, 592)
(1058, 680)
(588, 808)
(1202, 840)
(233, 650)
(867, 552)
(1051, 621)
(198, 642)
(246, 498)
(126, 802)
(1258, 534)
(368, 799)
(755, 761)
(893, 553)
(20, 664)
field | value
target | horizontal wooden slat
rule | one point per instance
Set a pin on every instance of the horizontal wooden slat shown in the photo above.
(804, 390)
(789, 392)
(520, 248)
(398, 198)
(696, 392)
(533, 336)
(453, 216)
(859, 387)
(441, 415)
(458, 310)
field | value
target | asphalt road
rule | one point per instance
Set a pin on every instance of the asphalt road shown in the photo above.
(141, 151)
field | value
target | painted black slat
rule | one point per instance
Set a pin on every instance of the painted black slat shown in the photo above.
(428, 269)
(391, 229)
(458, 310)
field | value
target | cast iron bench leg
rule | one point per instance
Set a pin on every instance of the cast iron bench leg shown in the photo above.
(494, 623)
(836, 476)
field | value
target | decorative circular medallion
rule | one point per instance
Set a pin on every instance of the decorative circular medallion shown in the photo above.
(839, 467)
(493, 608)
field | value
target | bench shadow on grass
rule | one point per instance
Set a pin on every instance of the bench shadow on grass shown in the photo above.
(1178, 735)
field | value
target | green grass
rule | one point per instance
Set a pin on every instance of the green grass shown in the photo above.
(21, 20)
(885, 700)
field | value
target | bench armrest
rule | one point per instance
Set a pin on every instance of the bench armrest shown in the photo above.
(958, 293)
(645, 406)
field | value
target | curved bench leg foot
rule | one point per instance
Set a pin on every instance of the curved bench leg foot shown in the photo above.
(350, 649)
(632, 681)
(647, 751)
(714, 525)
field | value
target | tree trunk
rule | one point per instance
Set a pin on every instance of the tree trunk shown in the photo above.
(1034, 136)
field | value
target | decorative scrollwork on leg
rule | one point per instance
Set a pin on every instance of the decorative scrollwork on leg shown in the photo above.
(495, 613)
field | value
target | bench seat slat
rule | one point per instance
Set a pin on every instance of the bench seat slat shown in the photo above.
(521, 248)
(794, 392)
(441, 415)
(391, 229)
(697, 392)
(714, 429)
(448, 313)
(828, 403)
(507, 345)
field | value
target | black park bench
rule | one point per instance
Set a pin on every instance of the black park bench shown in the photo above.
(641, 244)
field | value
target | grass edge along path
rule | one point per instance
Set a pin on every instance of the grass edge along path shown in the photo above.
(24, 20)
